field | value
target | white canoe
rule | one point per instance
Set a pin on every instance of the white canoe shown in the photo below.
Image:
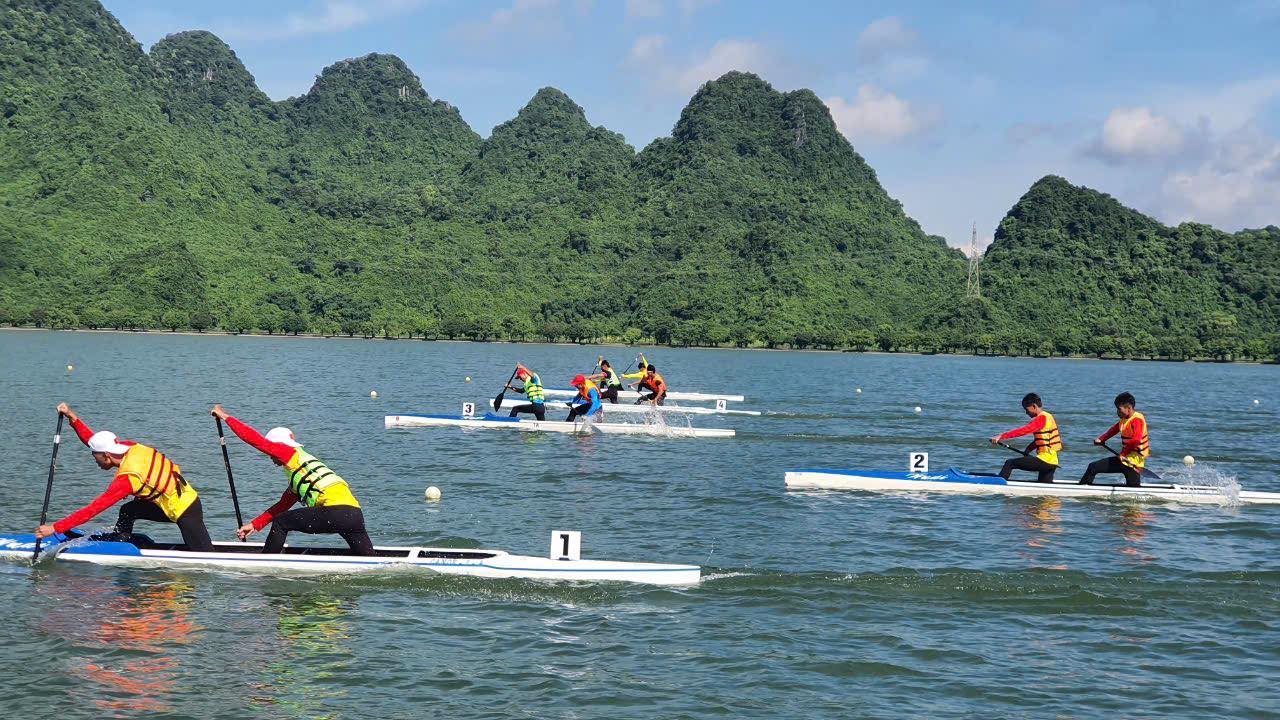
(957, 481)
(446, 561)
(629, 409)
(499, 422)
(672, 395)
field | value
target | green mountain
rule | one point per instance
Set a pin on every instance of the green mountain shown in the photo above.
(164, 189)
(1079, 272)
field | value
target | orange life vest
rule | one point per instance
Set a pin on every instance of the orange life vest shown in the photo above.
(584, 392)
(1136, 458)
(1047, 440)
(156, 478)
(654, 383)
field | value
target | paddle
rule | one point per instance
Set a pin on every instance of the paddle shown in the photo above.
(226, 460)
(48, 486)
(497, 402)
(1007, 446)
(1144, 473)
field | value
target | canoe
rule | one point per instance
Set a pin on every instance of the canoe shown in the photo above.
(501, 422)
(958, 481)
(141, 551)
(631, 409)
(673, 395)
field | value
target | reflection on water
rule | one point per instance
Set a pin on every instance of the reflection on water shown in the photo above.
(1042, 518)
(115, 618)
(1132, 521)
(312, 660)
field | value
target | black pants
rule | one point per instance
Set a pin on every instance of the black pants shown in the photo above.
(539, 410)
(577, 411)
(1029, 462)
(190, 523)
(344, 520)
(649, 396)
(1132, 477)
(610, 394)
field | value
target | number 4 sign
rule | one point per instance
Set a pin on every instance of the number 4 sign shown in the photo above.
(918, 462)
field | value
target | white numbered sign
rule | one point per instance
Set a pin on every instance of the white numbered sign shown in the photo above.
(918, 462)
(721, 405)
(468, 409)
(566, 545)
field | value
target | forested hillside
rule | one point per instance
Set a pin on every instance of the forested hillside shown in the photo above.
(166, 190)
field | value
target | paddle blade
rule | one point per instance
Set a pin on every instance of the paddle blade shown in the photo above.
(497, 402)
(1149, 474)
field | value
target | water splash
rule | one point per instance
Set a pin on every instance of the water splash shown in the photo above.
(1207, 476)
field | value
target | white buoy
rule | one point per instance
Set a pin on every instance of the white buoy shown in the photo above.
(433, 493)
(73, 367)
(1188, 460)
(1255, 400)
(373, 393)
(859, 391)
(468, 378)
(918, 409)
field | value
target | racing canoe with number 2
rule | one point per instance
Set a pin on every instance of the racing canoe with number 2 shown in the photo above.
(959, 481)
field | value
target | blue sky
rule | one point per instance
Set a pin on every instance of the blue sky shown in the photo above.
(1172, 107)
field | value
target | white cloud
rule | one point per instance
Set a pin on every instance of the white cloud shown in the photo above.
(876, 116)
(647, 50)
(683, 75)
(1139, 133)
(332, 16)
(644, 9)
(689, 8)
(1238, 185)
(527, 17)
(883, 38)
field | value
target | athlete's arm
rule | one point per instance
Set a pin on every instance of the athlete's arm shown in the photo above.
(119, 489)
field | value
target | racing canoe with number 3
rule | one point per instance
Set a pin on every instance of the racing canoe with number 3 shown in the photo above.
(642, 408)
(958, 481)
(633, 395)
(500, 422)
(141, 551)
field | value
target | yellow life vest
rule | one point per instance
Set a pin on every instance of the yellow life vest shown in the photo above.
(1047, 440)
(1138, 457)
(156, 478)
(315, 484)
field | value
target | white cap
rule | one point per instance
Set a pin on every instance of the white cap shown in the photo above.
(105, 441)
(282, 435)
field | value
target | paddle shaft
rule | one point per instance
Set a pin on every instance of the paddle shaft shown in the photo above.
(497, 402)
(1007, 446)
(48, 486)
(1143, 472)
(231, 481)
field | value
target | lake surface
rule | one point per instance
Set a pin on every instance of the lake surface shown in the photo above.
(813, 605)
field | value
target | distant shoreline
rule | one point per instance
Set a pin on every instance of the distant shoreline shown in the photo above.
(314, 336)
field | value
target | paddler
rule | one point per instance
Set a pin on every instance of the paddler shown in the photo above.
(1135, 448)
(586, 402)
(639, 373)
(1045, 442)
(328, 505)
(161, 493)
(612, 383)
(533, 390)
(653, 384)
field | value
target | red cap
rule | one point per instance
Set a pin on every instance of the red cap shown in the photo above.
(577, 380)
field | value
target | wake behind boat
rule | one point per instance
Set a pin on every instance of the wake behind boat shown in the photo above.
(499, 422)
(958, 481)
(644, 408)
(560, 565)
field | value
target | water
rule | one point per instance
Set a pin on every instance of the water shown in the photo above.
(814, 604)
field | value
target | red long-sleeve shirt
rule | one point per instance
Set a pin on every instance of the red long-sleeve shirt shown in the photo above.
(276, 451)
(119, 489)
(1139, 429)
(1035, 426)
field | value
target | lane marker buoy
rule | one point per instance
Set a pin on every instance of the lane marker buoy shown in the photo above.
(432, 493)
(1188, 460)
(373, 393)
(918, 409)
(73, 367)
(859, 391)
(468, 378)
